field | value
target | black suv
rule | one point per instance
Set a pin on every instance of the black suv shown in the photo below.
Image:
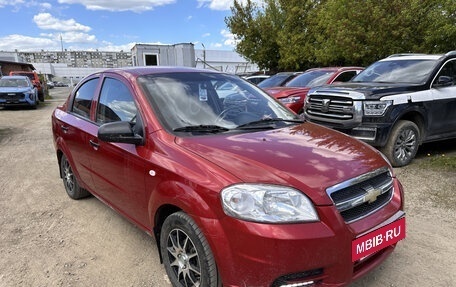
(396, 104)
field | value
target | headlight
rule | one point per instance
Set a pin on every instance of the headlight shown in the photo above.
(290, 100)
(376, 108)
(267, 203)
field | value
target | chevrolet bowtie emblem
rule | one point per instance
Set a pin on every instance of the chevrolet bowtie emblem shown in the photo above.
(372, 194)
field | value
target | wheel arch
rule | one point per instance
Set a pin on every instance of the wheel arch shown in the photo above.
(173, 196)
(418, 119)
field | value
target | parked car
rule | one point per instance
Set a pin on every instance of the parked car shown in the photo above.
(60, 84)
(278, 79)
(396, 104)
(34, 78)
(17, 91)
(212, 179)
(256, 79)
(293, 93)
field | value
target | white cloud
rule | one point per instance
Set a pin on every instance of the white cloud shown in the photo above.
(119, 5)
(229, 38)
(4, 3)
(206, 35)
(46, 21)
(46, 6)
(78, 37)
(17, 4)
(222, 5)
(25, 43)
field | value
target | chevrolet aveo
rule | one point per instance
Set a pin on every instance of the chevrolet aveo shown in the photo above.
(236, 189)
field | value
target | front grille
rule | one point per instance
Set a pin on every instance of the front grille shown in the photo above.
(362, 196)
(330, 107)
(12, 96)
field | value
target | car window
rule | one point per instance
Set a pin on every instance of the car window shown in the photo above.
(83, 98)
(449, 70)
(193, 99)
(275, 81)
(397, 71)
(345, 76)
(116, 103)
(310, 79)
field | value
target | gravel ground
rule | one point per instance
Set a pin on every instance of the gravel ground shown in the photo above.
(48, 239)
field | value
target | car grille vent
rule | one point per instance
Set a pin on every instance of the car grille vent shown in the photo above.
(362, 196)
(11, 96)
(295, 278)
(339, 108)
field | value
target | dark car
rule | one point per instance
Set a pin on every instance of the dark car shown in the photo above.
(256, 79)
(396, 104)
(293, 93)
(17, 91)
(210, 178)
(278, 79)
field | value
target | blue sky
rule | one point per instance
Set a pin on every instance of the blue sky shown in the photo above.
(113, 25)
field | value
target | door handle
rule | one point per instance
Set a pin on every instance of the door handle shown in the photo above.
(64, 128)
(94, 144)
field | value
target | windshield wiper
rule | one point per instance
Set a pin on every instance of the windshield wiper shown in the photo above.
(202, 129)
(265, 123)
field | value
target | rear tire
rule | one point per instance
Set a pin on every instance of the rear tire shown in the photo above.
(187, 257)
(70, 182)
(402, 144)
(41, 97)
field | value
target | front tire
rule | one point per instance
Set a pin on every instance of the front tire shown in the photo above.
(402, 144)
(186, 253)
(70, 182)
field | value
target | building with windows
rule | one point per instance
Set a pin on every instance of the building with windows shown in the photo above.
(71, 66)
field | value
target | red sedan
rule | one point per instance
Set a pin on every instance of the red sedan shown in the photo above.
(294, 92)
(237, 190)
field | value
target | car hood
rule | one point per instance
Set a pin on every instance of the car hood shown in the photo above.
(281, 92)
(371, 90)
(14, 90)
(307, 157)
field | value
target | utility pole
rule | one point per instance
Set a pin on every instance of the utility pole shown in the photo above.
(204, 55)
(61, 41)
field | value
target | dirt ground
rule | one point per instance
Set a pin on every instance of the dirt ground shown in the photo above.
(47, 239)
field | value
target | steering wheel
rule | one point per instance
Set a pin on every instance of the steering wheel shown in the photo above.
(224, 113)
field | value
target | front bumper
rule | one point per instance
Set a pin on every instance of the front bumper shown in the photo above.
(373, 134)
(26, 101)
(318, 254)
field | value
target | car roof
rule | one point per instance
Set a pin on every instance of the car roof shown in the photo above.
(399, 57)
(147, 70)
(16, 77)
(335, 69)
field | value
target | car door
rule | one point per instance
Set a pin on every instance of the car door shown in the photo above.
(442, 115)
(75, 125)
(118, 169)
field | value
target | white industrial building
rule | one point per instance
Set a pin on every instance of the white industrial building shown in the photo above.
(72, 66)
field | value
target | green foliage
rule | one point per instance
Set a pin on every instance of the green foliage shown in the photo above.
(297, 34)
(255, 31)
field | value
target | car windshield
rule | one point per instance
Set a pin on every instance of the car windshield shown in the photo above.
(13, 83)
(275, 81)
(310, 79)
(212, 102)
(414, 71)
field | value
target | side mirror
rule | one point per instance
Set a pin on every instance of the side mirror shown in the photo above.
(119, 132)
(444, 81)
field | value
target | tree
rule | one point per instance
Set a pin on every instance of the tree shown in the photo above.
(297, 34)
(361, 32)
(255, 31)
